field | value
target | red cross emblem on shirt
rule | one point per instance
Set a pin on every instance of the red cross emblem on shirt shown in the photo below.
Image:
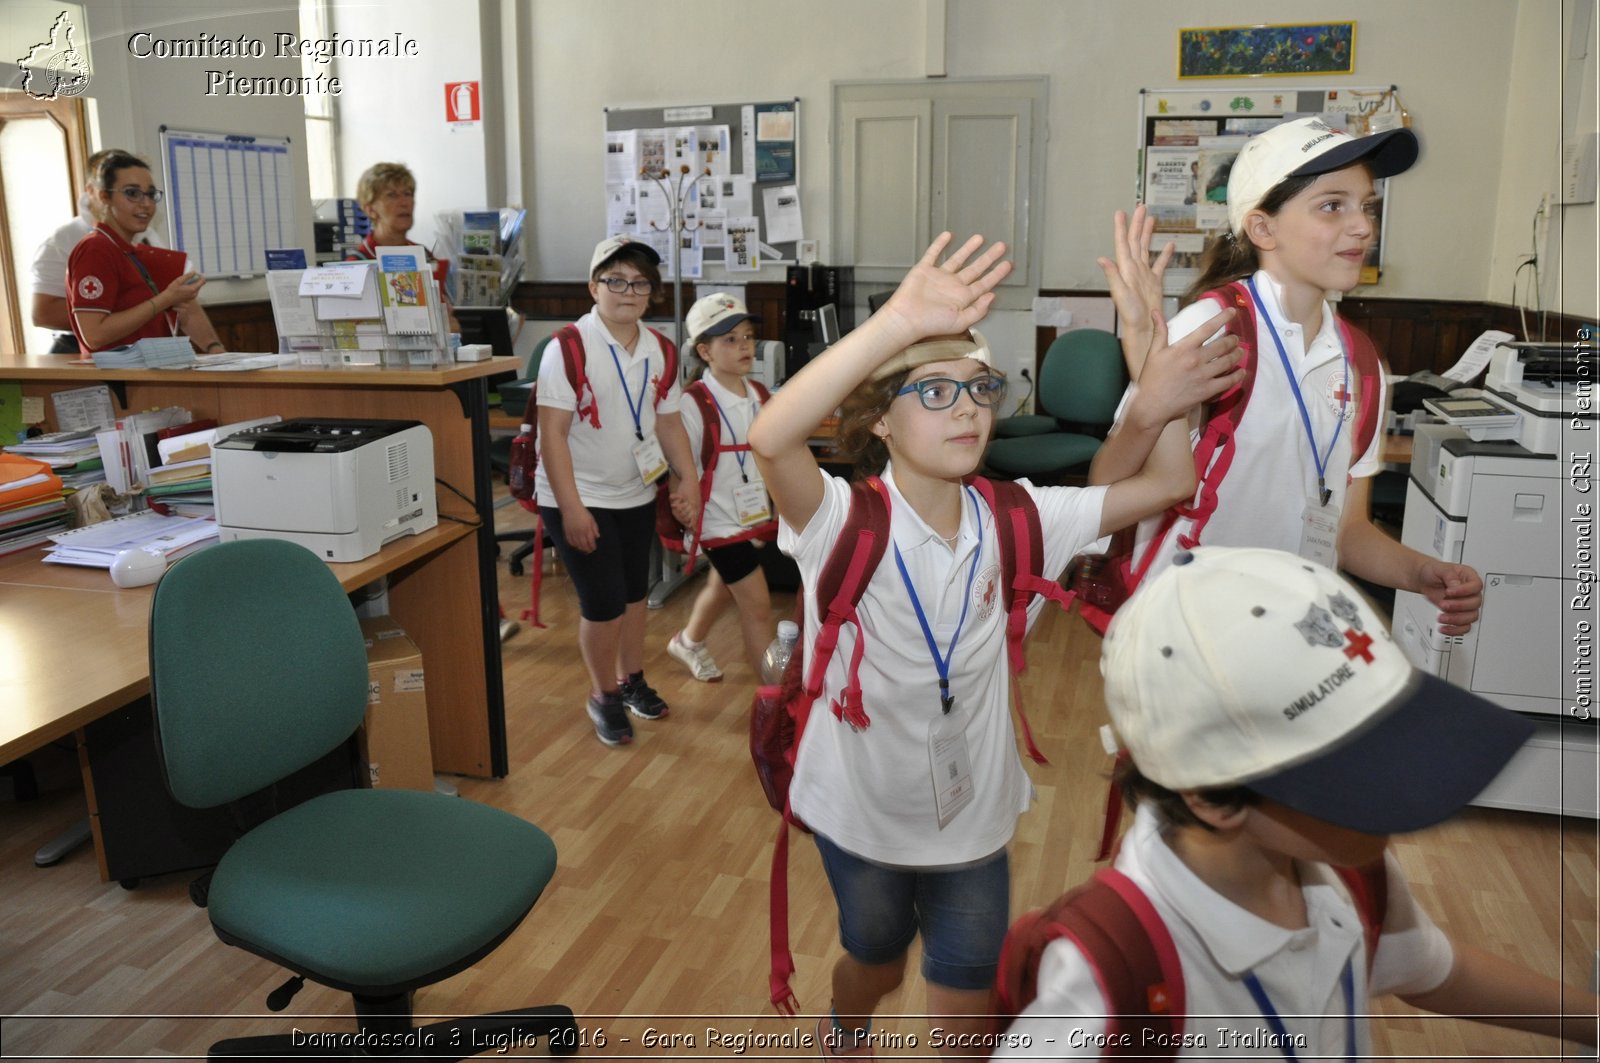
(1340, 395)
(1359, 641)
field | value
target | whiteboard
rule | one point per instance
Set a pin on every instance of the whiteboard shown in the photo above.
(230, 197)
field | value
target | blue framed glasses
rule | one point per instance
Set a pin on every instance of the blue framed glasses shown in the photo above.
(941, 393)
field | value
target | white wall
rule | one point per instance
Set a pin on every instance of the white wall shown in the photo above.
(393, 110)
(132, 98)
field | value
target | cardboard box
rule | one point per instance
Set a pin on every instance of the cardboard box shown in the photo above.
(394, 738)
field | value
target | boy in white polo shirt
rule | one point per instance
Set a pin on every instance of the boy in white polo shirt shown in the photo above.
(600, 454)
(1276, 730)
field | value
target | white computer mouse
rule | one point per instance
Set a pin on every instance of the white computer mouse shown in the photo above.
(137, 567)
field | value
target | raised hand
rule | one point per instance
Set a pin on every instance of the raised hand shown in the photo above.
(1181, 376)
(1134, 281)
(943, 298)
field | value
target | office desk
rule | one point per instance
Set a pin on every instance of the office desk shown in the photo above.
(441, 584)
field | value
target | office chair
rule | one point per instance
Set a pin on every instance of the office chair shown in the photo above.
(257, 668)
(1081, 381)
(514, 401)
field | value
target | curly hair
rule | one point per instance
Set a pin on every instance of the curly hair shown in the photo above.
(861, 410)
(382, 176)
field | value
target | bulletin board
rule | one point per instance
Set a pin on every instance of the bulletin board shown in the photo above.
(730, 217)
(1188, 139)
(230, 197)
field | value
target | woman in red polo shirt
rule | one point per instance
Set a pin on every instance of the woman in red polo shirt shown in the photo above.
(119, 291)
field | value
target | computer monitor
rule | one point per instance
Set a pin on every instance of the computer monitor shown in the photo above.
(486, 324)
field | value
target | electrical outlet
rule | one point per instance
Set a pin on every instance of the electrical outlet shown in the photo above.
(1023, 373)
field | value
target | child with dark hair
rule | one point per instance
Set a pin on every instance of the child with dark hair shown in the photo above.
(600, 454)
(1294, 471)
(1277, 732)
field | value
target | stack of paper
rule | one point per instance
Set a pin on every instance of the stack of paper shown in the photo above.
(97, 545)
(180, 484)
(152, 352)
(73, 456)
(32, 503)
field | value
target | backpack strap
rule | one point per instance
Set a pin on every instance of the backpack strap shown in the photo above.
(1369, 374)
(710, 437)
(840, 586)
(1021, 542)
(1369, 888)
(669, 372)
(575, 359)
(1129, 949)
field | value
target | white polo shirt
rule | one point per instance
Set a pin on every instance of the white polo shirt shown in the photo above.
(602, 458)
(871, 791)
(1265, 491)
(1218, 942)
(722, 518)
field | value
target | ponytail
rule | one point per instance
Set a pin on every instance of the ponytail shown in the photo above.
(1230, 256)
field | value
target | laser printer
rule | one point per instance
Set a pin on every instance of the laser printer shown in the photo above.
(342, 488)
(1495, 484)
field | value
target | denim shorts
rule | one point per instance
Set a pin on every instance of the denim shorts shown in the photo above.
(962, 914)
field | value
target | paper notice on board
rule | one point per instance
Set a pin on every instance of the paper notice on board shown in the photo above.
(683, 149)
(714, 140)
(653, 210)
(782, 205)
(741, 247)
(622, 157)
(775, 134)
(1171, 177)
(652, 148)
(737, 196)
(620, 214)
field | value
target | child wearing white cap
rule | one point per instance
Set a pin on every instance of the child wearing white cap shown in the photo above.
(906, 852)
(1276, 731)
(599, 456)
(1300, 198)
(737, 515)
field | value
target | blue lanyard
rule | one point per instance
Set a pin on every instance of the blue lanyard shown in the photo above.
(942, 663)
(1285, 1043)
(733, 436)
(635, 408)
(1305, 416)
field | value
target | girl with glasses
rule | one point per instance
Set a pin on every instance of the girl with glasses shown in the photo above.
(120, 290)
(919, 392)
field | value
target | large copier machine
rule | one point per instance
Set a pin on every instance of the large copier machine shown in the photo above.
(1501, 481)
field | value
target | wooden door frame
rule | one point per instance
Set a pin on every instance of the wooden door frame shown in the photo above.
(68, 114)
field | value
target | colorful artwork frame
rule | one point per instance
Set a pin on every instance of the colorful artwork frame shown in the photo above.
(1289, 50)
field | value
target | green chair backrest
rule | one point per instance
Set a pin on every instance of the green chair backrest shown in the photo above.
(257, 668)
(536, 356)
(1083, 377)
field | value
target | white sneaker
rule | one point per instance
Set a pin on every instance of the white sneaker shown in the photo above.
(696, 658)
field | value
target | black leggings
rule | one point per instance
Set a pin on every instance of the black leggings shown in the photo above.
(617, 574)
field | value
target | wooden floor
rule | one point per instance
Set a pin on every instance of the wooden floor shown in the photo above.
(657, 916)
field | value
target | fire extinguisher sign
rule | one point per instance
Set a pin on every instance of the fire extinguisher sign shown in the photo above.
(461, 101)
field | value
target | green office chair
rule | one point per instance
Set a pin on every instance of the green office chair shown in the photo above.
(257, 668)
(1081, 381)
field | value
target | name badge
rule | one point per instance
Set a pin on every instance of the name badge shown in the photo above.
(750, 504)
(952, 767)
(652, 463)
(1319, 533)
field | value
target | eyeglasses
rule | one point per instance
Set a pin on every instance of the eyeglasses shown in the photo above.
(136, 194)
(618, 285)
(739, 339)
(941, 393)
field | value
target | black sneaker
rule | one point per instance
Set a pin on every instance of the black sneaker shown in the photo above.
(611, 724)
(641, 698)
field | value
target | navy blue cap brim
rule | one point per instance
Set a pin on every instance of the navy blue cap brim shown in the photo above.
(1418, 763)
(1394, 151)
(728, 324)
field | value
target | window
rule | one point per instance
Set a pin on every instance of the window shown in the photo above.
(321, 158)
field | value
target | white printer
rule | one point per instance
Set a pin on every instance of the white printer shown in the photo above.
(1491, 487)
(341, 488)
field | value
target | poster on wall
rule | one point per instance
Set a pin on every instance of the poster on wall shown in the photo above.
(1191, 137)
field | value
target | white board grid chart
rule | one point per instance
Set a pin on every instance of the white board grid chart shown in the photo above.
(230, 197)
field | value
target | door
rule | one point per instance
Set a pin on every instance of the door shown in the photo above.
(42, 157)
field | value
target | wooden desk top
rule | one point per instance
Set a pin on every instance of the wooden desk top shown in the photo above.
(57, 367)
(74, 646)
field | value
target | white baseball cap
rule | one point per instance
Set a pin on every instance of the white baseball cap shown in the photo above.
(1258, 668)
(608, 248)
(938, 349)
(716, 314)
(1306, 147)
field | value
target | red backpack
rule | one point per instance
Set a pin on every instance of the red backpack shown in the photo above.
(778, 715)
(524, 452)
(1115, 578)
(1135, 962)
(672, 534)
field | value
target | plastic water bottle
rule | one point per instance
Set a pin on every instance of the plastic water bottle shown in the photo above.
(776, 659)
(523, 459)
